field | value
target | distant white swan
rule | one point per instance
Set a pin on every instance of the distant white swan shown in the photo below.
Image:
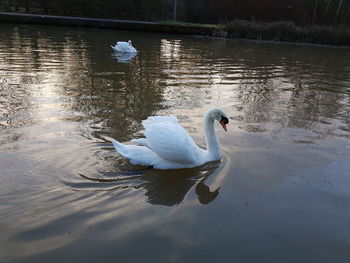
(168, 146)
(124, 47)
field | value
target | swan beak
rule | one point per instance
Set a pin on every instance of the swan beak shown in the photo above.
(223, 124)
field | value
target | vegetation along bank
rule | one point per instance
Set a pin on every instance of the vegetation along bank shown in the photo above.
(318, 22)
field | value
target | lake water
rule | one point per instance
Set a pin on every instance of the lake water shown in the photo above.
(281, 192)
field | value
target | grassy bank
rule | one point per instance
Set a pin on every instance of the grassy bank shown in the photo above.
(275, 31)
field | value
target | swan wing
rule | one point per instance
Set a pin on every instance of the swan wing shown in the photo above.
(115, 48)
(122, 44)
(169, 140)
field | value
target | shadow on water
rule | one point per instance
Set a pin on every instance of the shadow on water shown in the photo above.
(162, 187)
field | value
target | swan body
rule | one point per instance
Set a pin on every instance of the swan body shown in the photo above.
(124, 47)
(168, 146)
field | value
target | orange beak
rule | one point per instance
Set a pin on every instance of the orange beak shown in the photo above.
(223, 124)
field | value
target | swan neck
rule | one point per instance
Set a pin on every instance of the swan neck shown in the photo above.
(213, 145)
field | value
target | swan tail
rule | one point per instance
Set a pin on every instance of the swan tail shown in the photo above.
(119, 147)
(115, 48)
(137, 155)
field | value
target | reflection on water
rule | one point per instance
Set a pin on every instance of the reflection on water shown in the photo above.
(123, 57)
(162, 187)
(286, 154)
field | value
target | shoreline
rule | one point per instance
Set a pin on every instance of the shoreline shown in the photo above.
(103, 23)
(274, 32)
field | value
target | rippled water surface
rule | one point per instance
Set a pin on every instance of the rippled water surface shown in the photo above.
(281, 192)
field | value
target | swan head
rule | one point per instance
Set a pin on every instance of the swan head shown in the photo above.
(219, 115)
(129, 42)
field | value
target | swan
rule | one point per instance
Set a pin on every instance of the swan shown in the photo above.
(124, 47)
(168, 146)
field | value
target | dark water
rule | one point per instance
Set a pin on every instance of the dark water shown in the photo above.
(280, 194)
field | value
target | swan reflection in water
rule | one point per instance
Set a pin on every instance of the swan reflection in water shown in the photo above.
(170, 187)
(123, 56)
(167, 187)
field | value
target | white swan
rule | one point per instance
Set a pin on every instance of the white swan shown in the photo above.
(168, 146)
(124, 47)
